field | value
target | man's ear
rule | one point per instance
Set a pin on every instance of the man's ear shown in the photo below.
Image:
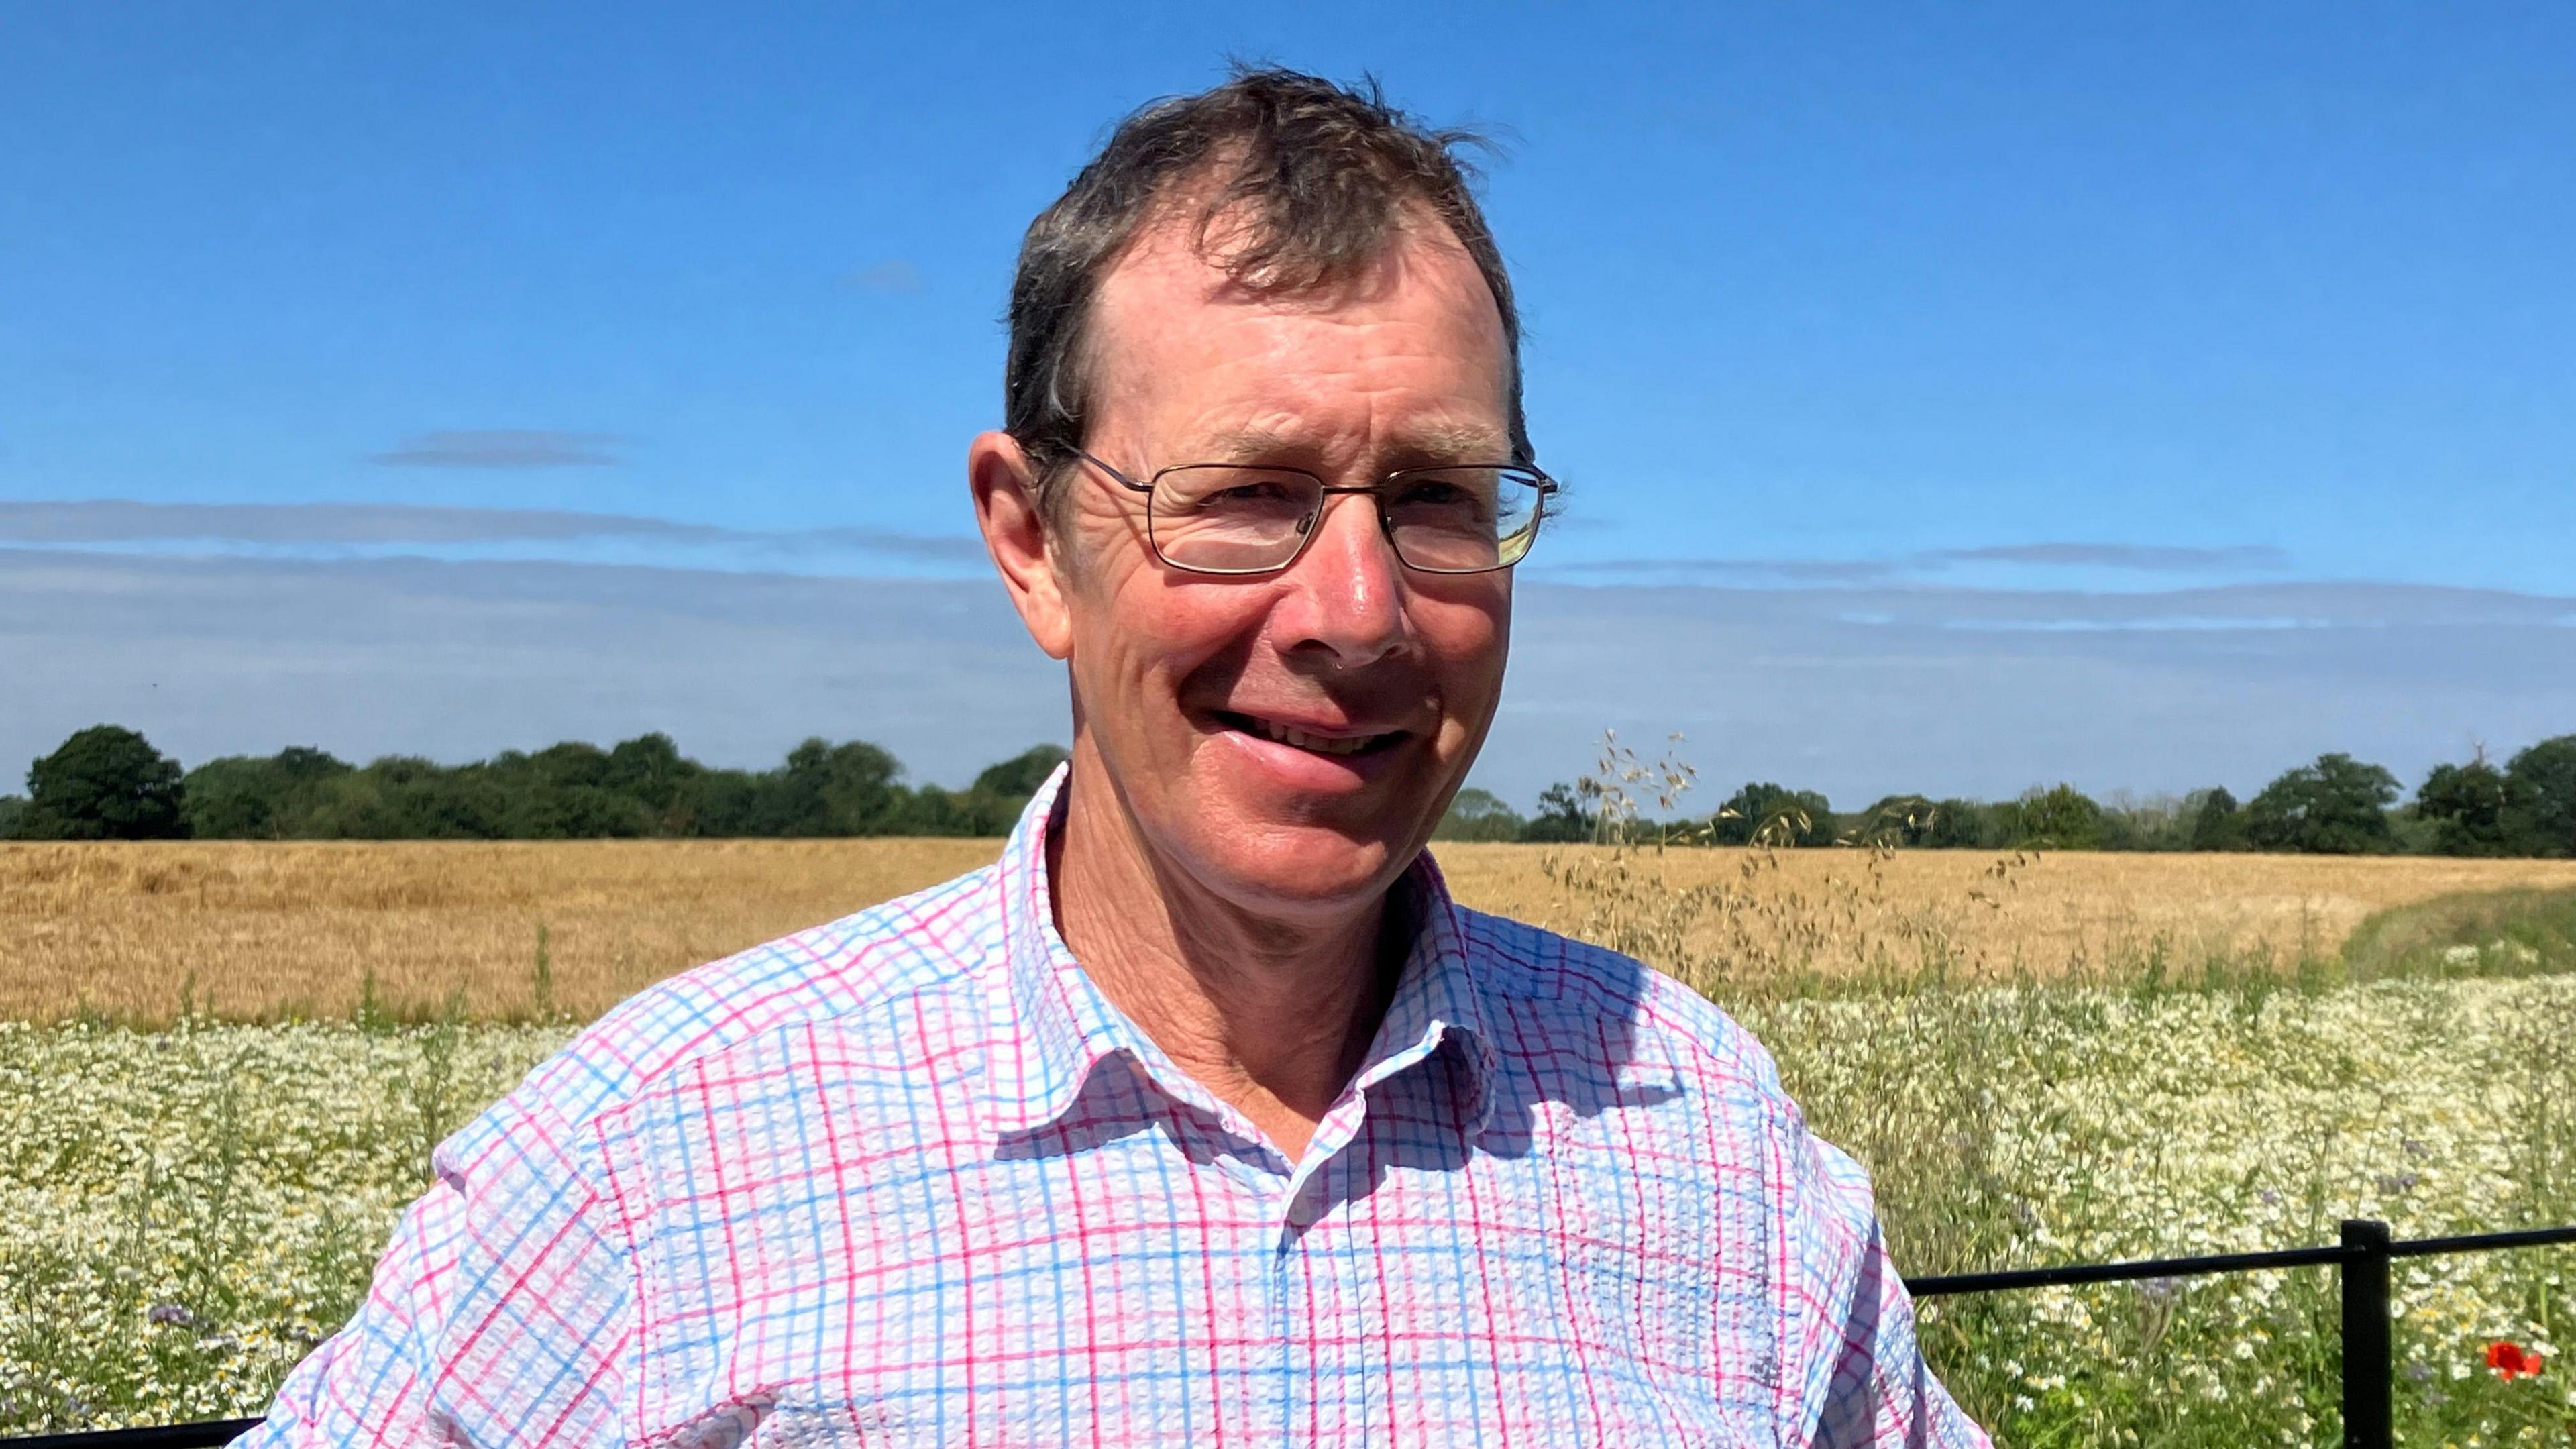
(1014, 523)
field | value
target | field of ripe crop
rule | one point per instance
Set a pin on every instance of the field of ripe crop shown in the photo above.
(295, 929)
(265, 931)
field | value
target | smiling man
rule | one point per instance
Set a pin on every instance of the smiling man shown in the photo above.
(1204, 1115)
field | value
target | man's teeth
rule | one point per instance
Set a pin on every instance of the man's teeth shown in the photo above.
(1291, 735)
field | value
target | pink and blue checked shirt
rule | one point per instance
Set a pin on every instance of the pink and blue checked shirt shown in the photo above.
(910, 1179)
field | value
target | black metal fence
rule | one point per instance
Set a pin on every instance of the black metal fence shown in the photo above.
(2363, 1256)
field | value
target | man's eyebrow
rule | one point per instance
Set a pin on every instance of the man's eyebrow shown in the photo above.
(1249, 445)
(1452, 443)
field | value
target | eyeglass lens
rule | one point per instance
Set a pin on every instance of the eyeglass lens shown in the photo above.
(1225, 518)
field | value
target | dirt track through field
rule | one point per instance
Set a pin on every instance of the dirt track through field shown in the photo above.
(270, 928)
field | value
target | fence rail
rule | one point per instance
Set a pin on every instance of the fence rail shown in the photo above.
(2363, 1254)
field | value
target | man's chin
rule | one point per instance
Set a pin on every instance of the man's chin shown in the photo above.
(1294, 869)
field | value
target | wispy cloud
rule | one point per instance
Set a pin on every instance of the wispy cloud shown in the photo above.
(2154, 623)
(1787, 570)
(2137, 557)
(2231, 561)
(926, 547)
(122, 521)
(1854, 691)
(329, 529)
(893, 275)
(316, 529)
(213, 656)
(501, 448)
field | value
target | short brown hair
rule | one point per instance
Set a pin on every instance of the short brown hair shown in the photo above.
(1313, 180)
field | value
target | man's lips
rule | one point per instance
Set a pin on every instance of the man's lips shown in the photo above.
(1315, 738)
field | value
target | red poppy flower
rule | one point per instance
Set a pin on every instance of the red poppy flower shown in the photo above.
(2510, 1362)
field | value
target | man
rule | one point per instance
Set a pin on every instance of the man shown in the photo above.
(1204, 1115)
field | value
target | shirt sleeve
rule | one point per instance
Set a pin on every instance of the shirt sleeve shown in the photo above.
(1877, 1392)
(502, 1313)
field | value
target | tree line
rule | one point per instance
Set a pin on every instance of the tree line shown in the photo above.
(109, 783)
(2337, 806)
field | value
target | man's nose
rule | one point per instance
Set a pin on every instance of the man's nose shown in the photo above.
(1347, 588)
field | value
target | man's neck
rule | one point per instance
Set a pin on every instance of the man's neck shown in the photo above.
(1272, 1017)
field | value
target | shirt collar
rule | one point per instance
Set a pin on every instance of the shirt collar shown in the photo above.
(1053, 1027)
(1436, 995)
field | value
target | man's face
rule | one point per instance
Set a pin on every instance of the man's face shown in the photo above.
(1287, 739)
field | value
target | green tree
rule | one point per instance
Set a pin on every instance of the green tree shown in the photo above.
(931, 810)
(1963, 825)
(569, 763)
(2150, 822)
(2216, 823)
(243, 797)
(1476, 814)
(105, 783)
(2062, 818)
(2469, 808)
(723, 804)
(829, 790)
(2337, 806)
(860, 795)
(566, 791)
(1897, 820)
(650, 770)
(13, 815)
(1773, 814)
(2542, 817)
(232, 798)
(404, 797)
(1018, 778)
(304, 774)
(1563, 816)
(545, 811)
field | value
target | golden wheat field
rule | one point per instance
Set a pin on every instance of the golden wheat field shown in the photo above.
(270, 929)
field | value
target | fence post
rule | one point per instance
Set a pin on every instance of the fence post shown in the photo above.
(2367, 1367)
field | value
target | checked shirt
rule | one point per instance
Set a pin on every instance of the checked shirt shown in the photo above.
(910, 1179)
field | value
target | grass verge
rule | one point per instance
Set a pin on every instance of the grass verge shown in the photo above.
(2522, 932)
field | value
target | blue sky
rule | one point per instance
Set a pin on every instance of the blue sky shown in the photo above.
(1964, 308)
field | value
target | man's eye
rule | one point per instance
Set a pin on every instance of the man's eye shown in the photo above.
(1444, 497)
(1263, 495)
(1250, 493)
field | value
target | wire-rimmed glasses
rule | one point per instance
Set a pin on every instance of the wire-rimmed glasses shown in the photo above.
(1245, 518)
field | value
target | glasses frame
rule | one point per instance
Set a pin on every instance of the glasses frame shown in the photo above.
(1547, 488)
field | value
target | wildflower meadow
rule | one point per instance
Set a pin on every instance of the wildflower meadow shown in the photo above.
(188, 1205)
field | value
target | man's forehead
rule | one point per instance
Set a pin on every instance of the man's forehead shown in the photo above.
(1171, 325)
(1428, 439)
